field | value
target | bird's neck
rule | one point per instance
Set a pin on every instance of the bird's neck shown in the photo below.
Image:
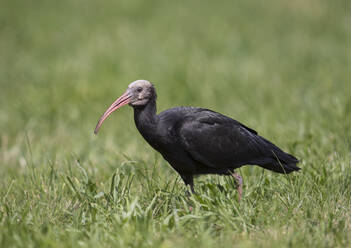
(146, 119)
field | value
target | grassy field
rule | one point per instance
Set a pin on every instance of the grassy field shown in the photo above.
(281, 67)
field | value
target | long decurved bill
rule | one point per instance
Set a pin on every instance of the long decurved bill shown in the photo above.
(121, 101)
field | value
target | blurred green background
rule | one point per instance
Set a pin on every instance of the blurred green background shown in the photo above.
(280, 67)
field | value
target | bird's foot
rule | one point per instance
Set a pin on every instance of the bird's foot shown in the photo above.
(239, 181)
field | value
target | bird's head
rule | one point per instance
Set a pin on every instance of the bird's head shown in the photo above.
(138, 94)
(141, 92)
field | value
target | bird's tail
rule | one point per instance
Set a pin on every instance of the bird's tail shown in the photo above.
(280, 162)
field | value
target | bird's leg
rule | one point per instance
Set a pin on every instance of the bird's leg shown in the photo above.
(188, 180)
(239, 181)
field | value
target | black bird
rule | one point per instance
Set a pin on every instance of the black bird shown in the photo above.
(198, 141)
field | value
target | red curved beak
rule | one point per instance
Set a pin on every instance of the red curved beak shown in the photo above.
(121, 101)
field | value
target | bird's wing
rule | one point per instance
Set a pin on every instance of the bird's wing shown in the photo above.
(218, 141)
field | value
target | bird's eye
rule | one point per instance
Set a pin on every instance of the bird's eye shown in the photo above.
(139, 89)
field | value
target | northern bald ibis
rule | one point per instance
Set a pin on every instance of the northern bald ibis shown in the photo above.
(198, 141)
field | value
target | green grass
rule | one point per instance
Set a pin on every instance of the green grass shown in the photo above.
(280, 67)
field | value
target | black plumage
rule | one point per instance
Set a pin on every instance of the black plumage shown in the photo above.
(198, 141)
